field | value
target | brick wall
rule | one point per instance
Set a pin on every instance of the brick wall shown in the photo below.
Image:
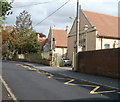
(100, 62)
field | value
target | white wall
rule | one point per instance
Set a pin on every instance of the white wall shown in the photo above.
(61, 51)
(119, 43)
(105, 41)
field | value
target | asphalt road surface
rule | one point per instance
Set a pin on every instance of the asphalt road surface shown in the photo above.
(31, 84)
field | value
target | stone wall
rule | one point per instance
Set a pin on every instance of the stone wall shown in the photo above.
(35, 58)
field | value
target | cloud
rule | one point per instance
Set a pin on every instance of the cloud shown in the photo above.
(61, 18)
(101, 6)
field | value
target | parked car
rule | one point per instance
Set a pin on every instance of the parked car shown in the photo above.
(66, 62)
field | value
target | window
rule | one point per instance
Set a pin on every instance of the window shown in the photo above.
(53, 39)
(107, 46)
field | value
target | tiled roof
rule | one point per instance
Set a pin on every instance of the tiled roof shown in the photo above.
(42, 41)
(9, 28)
(41, 34)
(106, 25)
(60, 37)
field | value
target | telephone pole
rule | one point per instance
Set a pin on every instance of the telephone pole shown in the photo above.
(51, 38)
(75, 59)
(51, 46)
(77, 26)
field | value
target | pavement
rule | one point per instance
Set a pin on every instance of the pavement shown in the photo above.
(67, 71)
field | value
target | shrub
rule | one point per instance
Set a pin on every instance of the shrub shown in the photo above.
(61, 64)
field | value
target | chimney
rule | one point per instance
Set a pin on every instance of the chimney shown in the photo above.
(38, 36)
(67, 29)
(86, 27)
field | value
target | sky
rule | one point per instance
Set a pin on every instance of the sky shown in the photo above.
(40, 9)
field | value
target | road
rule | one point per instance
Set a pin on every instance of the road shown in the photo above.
(5, 94)
(30, 84)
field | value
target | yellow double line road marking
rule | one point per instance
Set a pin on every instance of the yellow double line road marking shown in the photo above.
(26, 67)
(91, 92)
(70, 81)
(45, 73)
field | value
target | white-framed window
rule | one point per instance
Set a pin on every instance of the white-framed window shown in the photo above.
(107, 46)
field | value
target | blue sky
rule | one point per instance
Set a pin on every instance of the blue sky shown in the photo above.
(61, 18)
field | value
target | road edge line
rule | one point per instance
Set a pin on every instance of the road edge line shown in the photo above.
(8, 89)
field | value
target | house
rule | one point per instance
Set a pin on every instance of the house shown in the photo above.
(57, 41)
(9, 28)
(40, 35)
(42, 41)
(97, 31)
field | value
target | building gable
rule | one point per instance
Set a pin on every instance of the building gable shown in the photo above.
(60, 37)
(105, 24)
(83, 21)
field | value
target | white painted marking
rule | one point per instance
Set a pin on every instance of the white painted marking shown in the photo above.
(8, 89)
(118, 92)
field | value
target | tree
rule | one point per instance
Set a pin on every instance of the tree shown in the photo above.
(8, 43)
(24, 23)
(0, 47)
(26, 38)
(5, 8)
(22, 39)
(29, 44)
